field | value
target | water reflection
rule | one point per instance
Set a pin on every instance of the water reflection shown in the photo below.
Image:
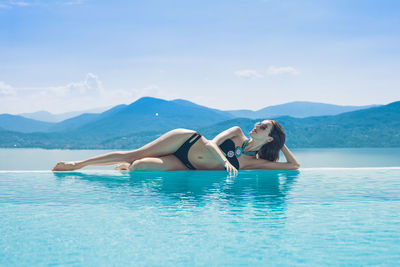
(260, 188)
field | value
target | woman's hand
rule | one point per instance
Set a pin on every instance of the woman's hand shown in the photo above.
(290, 159)
(230, 168)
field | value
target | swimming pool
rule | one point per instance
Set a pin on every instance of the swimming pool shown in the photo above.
(315, 216)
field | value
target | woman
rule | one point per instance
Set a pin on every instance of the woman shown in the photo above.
(183, 149)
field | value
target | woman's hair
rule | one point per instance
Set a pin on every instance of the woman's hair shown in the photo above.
(270, 151)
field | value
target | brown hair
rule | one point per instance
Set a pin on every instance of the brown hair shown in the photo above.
(270, 151)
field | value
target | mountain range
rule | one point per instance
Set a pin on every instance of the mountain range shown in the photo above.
(46, 116)
(298, 109)
(143, 114)
(129, 126)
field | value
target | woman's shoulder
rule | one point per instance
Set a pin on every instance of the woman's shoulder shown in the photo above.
(236, 130)
(239, 138)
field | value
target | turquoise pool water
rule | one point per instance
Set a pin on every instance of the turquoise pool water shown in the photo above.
(315, 216)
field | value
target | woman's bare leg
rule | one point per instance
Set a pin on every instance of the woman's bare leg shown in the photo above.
(166, 144)
(165, 163)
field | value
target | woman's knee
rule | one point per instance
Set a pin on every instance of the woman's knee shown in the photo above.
(145, 164)
(140, 164)
(183, 132)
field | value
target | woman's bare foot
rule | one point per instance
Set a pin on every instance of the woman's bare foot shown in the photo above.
(124, 167)
(66, 166)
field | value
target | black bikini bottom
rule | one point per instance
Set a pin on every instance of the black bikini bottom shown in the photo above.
(182, 152)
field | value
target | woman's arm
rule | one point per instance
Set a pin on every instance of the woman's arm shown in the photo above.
(217, 153)
(213, 147)
(230, 133)
(290, 164)
(290, 157)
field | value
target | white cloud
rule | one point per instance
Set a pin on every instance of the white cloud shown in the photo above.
(13, 3)
(72, 2)
(20, 3)
(86, 94)
(272, 70)
(6, 90)
(248, 74)
(90, 86)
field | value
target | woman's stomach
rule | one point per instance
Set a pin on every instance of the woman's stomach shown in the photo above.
(202, 158)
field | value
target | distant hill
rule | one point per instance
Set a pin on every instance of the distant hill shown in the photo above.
(191, 104)
(296, 109)
(83, 119)
(20, 124)
(49, 117)
(373, 127)
(152, 114)
(293, 109)
(143, 114)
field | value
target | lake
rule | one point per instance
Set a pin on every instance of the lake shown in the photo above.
(341, 208)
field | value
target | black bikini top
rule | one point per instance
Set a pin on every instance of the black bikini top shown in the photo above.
(232, 152)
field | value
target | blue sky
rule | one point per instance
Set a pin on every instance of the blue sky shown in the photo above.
(69, 55)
